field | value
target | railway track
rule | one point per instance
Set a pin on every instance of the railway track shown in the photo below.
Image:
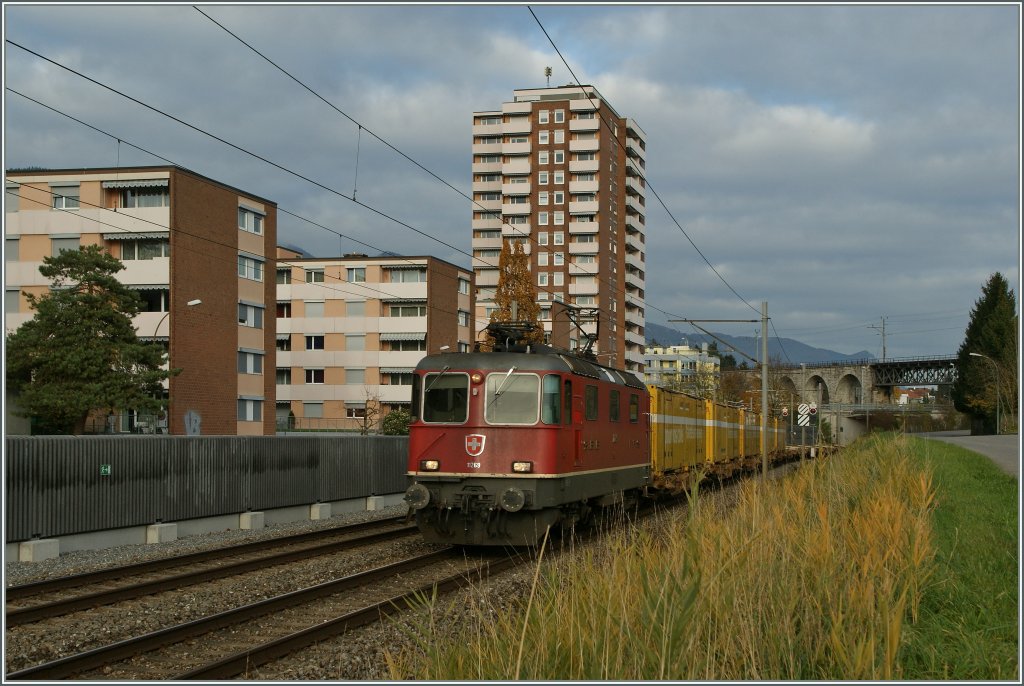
(118, 584)
(242, 639)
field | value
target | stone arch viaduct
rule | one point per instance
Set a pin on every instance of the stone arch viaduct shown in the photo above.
(862, 382)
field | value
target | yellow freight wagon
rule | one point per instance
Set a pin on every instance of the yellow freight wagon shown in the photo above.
(678, 438)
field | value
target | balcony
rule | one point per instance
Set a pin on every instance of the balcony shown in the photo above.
(487, 243)
(582, 269)
(486, 262)
(515, 208)
(515, 148)
(634, 337)
(486, 129)
(482, 186)
(635, 202)
(634, 223)
(487, 148)
(587, 145)
(584, 124)
(584, 186)
(588, 207)
(634, 182)
(634, 146)
(636, 164)
(583, 227)
(634, 260)
(514, 167)
(487, 224)
(583, 289)
(514, 230)
(485, 277)
(516, 125)
(487, 167)
(583, 166)
(584, 248)
(516, 107)
(516, 188)
(633, 243)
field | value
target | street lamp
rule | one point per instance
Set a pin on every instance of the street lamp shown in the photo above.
(995, 367)
(190, 303)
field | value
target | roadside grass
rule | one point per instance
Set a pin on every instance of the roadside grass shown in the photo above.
(853, 567)
(968, 627)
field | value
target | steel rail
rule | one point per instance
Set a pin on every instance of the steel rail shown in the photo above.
(26, 615)
(128, 648)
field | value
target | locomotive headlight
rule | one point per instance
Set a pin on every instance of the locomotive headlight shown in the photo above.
(522, 467)
(417, 496)
(477, 377)
(429, 465)
(512, 499)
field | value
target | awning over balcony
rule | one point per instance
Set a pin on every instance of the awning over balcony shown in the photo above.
(356, 404)
(396, 370)
(148, 286)
(404, 301)
(420, 267)
(137, 183)
(415, 336)
(135, 235)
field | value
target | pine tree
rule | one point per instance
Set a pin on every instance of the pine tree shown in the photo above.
(515, 285)
(80, 352)
(992, 332)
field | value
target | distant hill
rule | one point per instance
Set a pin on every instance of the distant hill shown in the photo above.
(795, 351)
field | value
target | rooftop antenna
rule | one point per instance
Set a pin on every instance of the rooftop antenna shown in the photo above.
(547, 73)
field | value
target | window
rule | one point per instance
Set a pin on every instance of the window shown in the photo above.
(567, 401)
(284, 376)
(585, 156)
(542, 238)
(590, 402)
(542, 178)
(542, 259)
(408, 310)
(558, 279)
(543, 116)
(559, 219)
(12, 299)
(155, 300)
(315, 342)
(542, 218)
(59, 245)
(463, 318)
(250, 410)
(400, 379)
(517, 200)
(559, 177)
(356, 274)
(584, 259)
(542, 198)
(284, 310)
(250, 220)
(585, 177)
(559, 259)
(487, 159)
(559, 238)
(355, 341)
(559, 136)
(355, 412)
(355, 308)
(65, 197)
(284, 276)
(250, 315)
(12, 249)
(489, 121)
(315, 376)
(559, 197)
(520, 219)
(559, 157)
(542, 279)
(408, 346)
(542, 157)
(634, 408)
(250, 362)
(284, 344)
(559, 116)
(613, 406)
(11, 198)
(250, 268)
(511, 398)
(585, 115)
(314, 308)
(313, 410)
(145, 250)
(407, 275)
(464, 286)
(463, 347)
(542, 137)
(355, 376)
(314, 276)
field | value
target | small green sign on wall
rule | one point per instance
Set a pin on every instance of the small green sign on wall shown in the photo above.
(104, 470)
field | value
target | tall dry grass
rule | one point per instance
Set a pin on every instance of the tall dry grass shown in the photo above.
(808, 577)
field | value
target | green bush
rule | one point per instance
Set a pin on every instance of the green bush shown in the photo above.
(396, 423)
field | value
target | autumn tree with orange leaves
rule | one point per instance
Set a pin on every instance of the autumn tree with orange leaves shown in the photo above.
(515, 285)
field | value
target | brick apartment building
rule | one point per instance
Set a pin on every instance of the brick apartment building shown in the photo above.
(560, 171)
(351, 329)
(198, 251)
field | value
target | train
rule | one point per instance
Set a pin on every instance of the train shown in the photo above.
(509, 443)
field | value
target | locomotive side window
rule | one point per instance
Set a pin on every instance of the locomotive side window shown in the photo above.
(590, 401)
(512, 398)
(446, 398)
(613, 406)
(568, 401)
(634, 408)
(551, 402)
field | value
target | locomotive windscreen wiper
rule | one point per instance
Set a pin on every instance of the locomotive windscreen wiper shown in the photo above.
(504, 381)
(434, 380)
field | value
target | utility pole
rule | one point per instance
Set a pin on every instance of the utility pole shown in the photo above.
(883, 336)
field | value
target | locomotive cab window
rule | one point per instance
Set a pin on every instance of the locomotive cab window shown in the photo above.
(446, 398)
(512, 398)
(551, 403)
(613, 406)
(634, 408)
(590, 402)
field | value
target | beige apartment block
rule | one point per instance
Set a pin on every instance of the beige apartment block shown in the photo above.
(678, 365)
(560, 171)
(350, 331)
(198, 252)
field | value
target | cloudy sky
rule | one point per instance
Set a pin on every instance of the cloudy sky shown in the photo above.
(843, 163)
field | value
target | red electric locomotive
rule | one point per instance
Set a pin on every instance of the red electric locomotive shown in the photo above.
(508, 443)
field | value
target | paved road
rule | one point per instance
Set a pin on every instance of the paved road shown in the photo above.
(1003, 450)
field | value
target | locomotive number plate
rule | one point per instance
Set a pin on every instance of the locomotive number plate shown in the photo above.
(473, 465)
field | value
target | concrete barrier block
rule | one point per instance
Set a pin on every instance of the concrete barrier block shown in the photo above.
(161, 533)
(374, 502)
(250, 520)
(320, 511)
(38, 550)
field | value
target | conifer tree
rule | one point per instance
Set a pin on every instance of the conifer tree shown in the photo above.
(992, 332)
(80, 352)
(515, 285)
